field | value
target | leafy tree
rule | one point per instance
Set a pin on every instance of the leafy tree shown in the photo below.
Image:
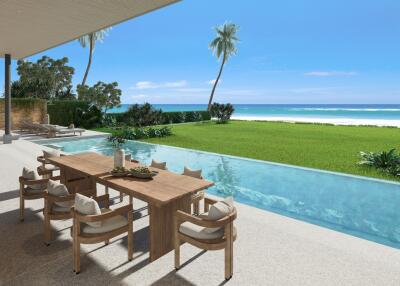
(90, 40)
(103, 95)
(223, 45)
(47, 79)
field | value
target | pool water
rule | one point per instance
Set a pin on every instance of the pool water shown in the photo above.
(362, 207)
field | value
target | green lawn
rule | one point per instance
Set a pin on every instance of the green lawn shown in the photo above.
(326, 147)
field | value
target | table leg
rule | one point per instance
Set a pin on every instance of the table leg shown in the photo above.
(162, 226)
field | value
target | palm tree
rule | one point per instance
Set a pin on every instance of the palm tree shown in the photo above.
(224, 44)
(91, 39)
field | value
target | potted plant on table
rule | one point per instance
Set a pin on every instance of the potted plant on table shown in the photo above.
(119, 153)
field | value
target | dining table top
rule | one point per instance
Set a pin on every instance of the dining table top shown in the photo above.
(163, 188)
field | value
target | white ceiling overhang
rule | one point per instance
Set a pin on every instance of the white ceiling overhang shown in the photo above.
(28, 27)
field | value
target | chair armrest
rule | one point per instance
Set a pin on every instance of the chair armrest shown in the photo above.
(93, 218)
(27, 182)
(183, 217)
(207, 203)
(52, 198)
(104, 199)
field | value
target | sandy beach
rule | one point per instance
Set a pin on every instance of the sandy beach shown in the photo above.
(334, 121)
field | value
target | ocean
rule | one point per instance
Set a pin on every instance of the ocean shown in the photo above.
(321, 111)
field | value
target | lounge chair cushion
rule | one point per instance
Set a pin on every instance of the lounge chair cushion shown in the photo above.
(59, 190)
(32, 175)
(87, 206)
(192, 173)
(199, 232)
(158, 165)
(49, 154)
(107, 225)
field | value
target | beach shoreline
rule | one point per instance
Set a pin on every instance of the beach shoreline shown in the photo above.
(316, 120)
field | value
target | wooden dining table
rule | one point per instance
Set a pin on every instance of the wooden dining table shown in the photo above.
(165, 193)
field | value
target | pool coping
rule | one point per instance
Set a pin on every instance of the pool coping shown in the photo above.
(231, 156)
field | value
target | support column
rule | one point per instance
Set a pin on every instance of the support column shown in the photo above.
(7, 139)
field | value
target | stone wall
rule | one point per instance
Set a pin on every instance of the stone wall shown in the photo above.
(33, 110)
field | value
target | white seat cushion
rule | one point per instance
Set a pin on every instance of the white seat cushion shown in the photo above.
(200, 232)
(33, 175)
(50, 167)
(49, 154)
(107, 225)
(158, 165)
(217, 211)
(87, 206)
(192, 173)
(220, 209)
(59, 190)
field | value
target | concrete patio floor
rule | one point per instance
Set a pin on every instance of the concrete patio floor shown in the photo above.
(270, 250)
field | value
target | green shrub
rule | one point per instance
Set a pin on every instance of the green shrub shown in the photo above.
(142, 115)
(130, 133)
(168, 117)
(80, 113)
(222, 112)
(387, 161)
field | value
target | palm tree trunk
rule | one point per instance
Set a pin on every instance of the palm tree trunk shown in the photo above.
(91, 45)
(216, 82)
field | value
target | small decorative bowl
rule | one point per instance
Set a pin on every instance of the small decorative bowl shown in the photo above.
(143, 175)
(119, 174)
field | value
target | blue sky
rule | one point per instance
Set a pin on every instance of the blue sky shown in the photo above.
(297, 51)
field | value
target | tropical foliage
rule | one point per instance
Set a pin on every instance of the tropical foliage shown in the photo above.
(224, 45)
(134, 133)
(222, 112)
(90, 40)
(46, 78)
(386, 161)
(142, 115)
(103, 95)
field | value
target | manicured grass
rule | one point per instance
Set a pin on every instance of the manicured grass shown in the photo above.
(334, 148)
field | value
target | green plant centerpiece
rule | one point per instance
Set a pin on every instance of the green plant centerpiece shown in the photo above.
(119, 153)
(142, 172)
(119, 172)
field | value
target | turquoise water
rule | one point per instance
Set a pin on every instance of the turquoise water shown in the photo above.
(356, 111)
(358, 206)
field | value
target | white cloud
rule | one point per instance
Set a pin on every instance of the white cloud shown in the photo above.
(154, 85)
(331, 73)
(180, 83)
(212, 82)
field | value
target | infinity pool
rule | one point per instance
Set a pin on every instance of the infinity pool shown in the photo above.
(362, 207)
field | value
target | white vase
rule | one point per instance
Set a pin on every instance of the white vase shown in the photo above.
(119, 158)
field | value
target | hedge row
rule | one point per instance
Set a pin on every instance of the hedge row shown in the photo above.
(172, 117)
(81, 113)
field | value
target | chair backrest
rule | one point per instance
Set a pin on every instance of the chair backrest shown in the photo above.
(159, 165)
(192, 173)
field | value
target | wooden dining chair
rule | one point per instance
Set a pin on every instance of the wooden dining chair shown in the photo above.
(46, 169)
(89, 229)
(31, 187)
(207, 234)
(199, 196)
(57, 205)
